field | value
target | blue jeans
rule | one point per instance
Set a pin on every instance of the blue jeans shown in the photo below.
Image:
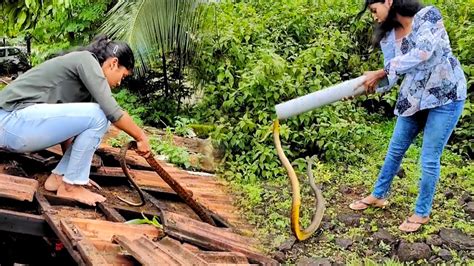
(41, 126)
(437, 124)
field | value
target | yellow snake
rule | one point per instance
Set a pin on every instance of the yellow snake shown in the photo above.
(295, 188)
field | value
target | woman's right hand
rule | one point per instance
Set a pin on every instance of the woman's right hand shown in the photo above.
(143, 147)
(372, 80)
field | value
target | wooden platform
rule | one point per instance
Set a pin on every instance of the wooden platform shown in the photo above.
(99, 236)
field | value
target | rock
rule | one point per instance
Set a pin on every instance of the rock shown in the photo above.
(279, 256)
(469, 209)
(465, 198)
(413, 251)
(345, 190)
(435, 260)
(313, 262)
(383, 235)
(369, 252)
(434, 240)
(449, 194)
(349, 219)
(456, 239)
(344, 242)
(401, 173)
(288, 244)
(445, 254)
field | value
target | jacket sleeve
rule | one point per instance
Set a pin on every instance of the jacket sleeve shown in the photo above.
(93, 78)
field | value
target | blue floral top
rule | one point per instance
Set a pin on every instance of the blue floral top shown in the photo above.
(432, 75)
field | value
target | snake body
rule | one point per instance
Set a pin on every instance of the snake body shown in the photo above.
(184, 194)
(300, 234)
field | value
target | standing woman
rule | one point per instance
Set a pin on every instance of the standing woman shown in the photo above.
(416, 49)
(68, 100)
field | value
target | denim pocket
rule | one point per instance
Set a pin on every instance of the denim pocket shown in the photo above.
(13, 142)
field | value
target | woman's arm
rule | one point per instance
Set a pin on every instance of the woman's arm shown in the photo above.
(126, 124)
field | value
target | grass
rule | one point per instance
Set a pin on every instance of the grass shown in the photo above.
(267, 204)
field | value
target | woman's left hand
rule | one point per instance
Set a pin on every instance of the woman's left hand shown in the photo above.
(373, 78)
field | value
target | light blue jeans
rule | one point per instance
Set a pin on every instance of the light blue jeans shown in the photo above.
(437, 125)
(41, 126)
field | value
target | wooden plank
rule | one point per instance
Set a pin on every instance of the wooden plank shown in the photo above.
(105, 230)
(164, 252)
(29, 224)
(212, 238)
(18, 188)
(93, 239)
(207, 191)
(90, 254)
(55, 225)
(111, 213)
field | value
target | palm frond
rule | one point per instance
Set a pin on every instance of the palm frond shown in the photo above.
(151, 27)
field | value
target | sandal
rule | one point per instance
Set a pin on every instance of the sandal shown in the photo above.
(366, 205)
(416, 228)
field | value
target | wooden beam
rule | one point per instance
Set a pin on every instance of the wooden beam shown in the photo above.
(29, 224)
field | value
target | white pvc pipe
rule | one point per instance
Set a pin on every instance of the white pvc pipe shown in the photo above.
(320, 98)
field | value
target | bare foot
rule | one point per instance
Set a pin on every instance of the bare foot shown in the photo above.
(79, 193)
(368, 202)
(413, 223)
(53, 182)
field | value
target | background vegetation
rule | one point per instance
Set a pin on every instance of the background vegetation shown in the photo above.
(232, 66)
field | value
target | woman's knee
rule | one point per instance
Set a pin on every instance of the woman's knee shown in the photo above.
(97, 115)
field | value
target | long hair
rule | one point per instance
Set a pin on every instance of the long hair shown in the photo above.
(104, 48)
(406, 8)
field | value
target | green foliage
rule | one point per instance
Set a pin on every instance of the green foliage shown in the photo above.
(154, 221)
(174, 154)
(182, 127)
(131, 104)
(265, 53)
(256, 54)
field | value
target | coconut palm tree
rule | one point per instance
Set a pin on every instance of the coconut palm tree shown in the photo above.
(157, 28)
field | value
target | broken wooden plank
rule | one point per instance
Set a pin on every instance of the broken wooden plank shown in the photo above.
(18, 188)
(24, 223)
(93, 239)
(77, 229)
(164, 252)
(111, 213)
(212, 238)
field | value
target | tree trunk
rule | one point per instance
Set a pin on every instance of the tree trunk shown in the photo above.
(165, 75)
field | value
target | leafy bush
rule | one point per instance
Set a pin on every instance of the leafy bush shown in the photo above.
(258, 53)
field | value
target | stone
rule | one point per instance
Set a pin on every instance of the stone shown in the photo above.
(279, 256)
(465, 198)
(345, 190)
(445, 254)
(383, 235)
(401, 173)
(413, 251)
(313, 262)
(456, 239)
(449, 194)
(288, 244)
(469, 209)
(434, 240)
(344, 242)
(349, 219)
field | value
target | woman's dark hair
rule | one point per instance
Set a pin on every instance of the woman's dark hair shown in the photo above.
(407, 8)
(103, 48)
